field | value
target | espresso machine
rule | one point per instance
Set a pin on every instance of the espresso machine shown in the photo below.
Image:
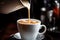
(44, 11)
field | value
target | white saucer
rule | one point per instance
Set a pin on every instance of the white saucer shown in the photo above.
(39, 36)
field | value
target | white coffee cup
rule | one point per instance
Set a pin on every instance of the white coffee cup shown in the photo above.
(30, 31)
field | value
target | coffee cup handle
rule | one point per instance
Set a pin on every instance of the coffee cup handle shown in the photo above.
(44, 29)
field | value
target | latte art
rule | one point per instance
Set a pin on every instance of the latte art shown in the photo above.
(32, 21)
(27, 22)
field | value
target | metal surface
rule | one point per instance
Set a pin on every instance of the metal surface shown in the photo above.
(8, 6)
(25, 3)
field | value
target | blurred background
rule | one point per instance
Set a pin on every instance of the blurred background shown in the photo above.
(45, 10)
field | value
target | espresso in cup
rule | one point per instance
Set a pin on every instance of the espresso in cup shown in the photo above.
(29, 31)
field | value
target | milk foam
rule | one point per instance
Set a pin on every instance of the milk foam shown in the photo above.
(26, 21)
